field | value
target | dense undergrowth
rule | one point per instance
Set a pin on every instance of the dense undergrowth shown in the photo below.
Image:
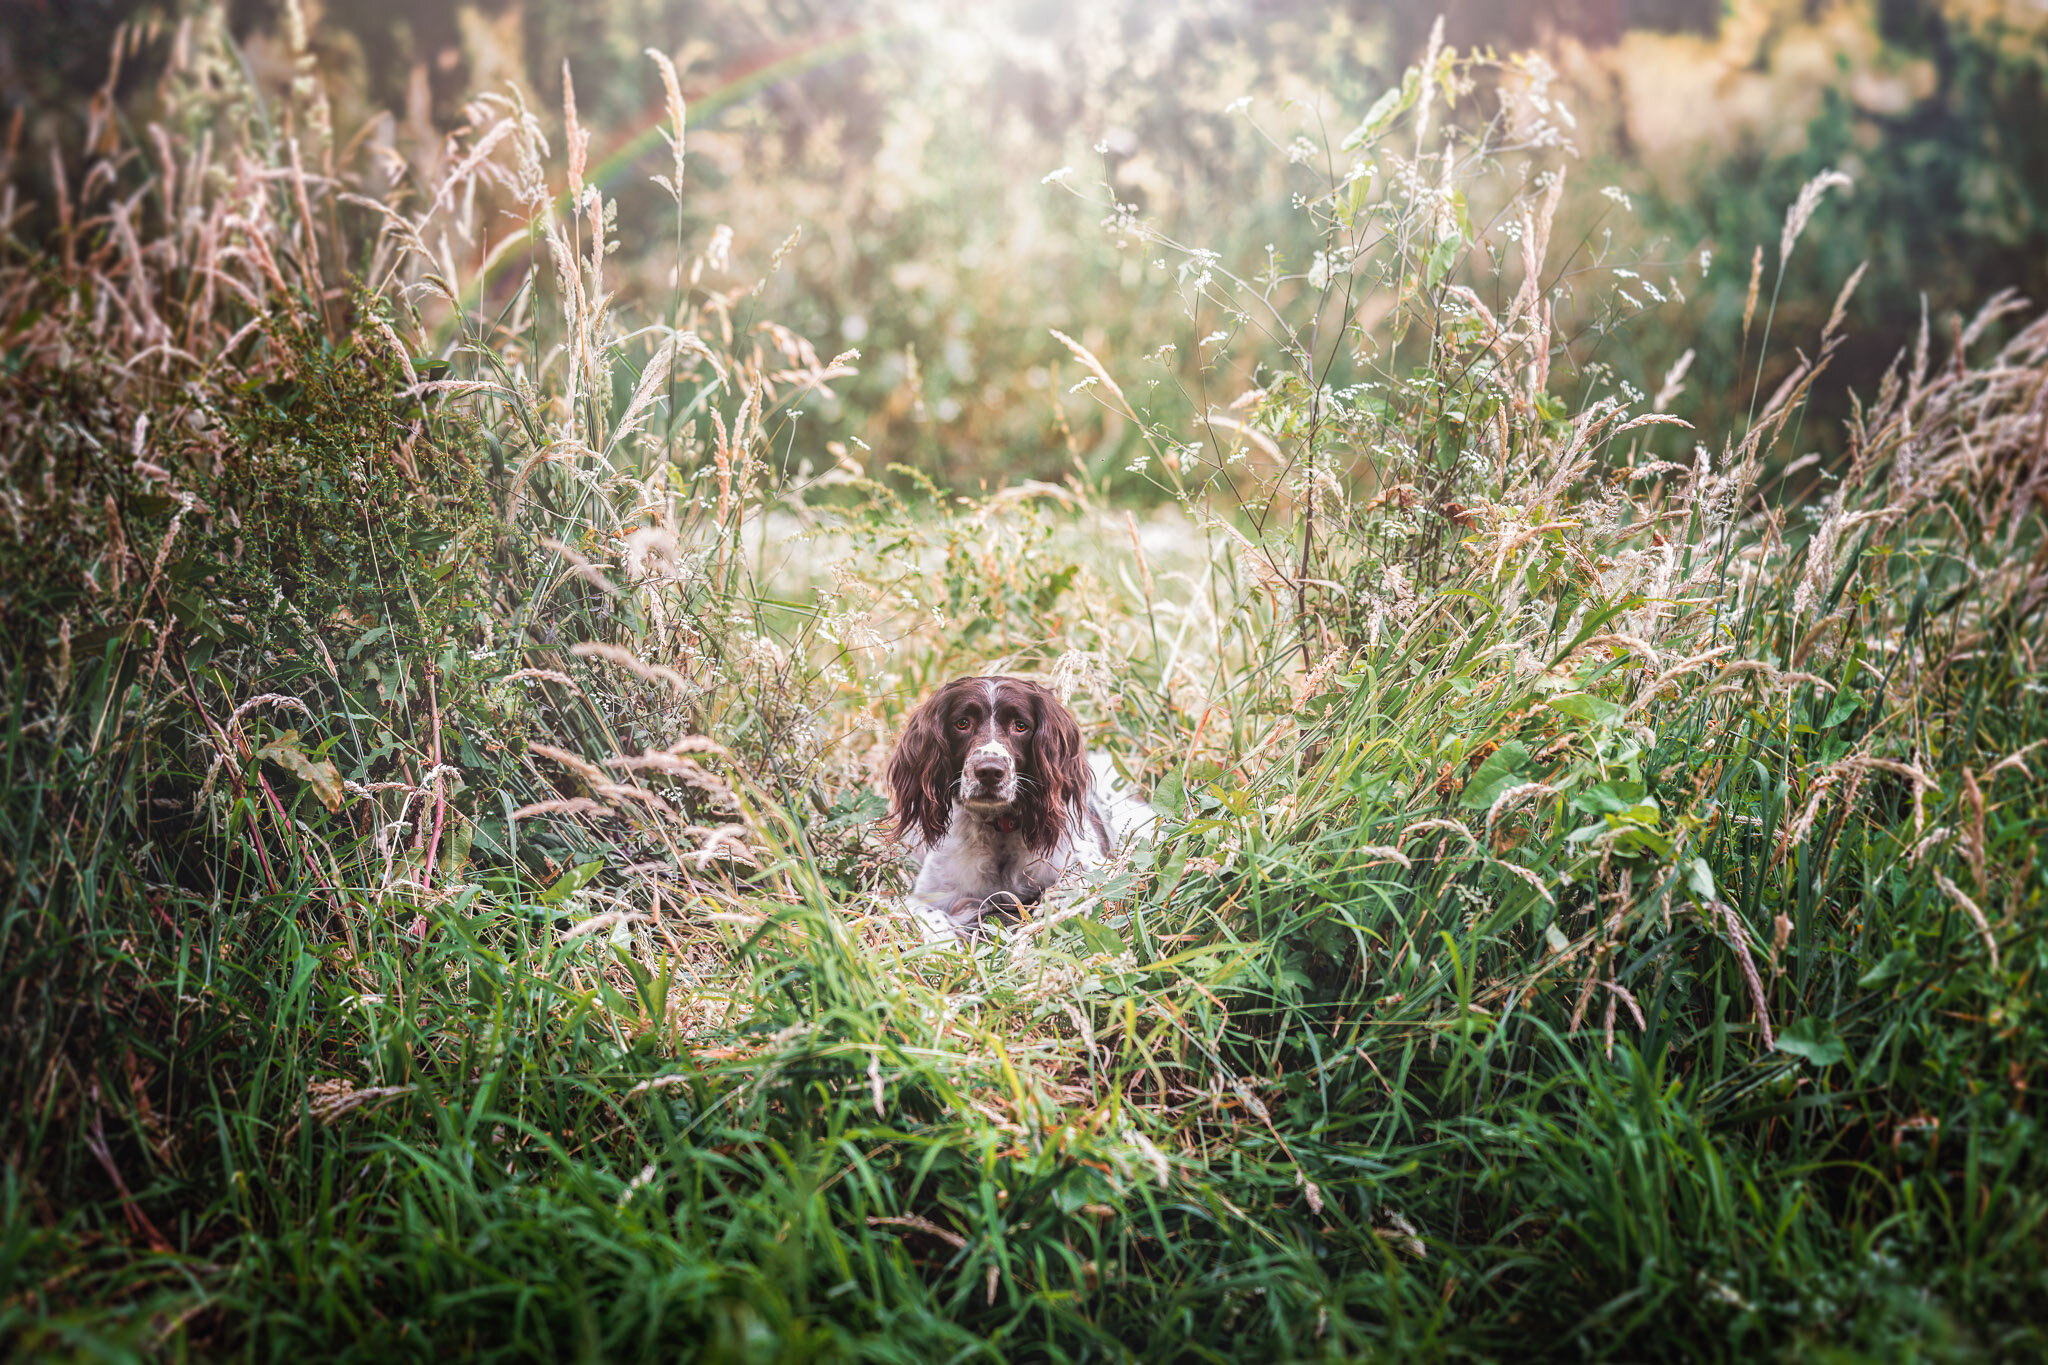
(1600, 911)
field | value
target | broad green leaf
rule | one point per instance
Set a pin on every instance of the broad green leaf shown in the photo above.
(1641, 813)
(1495, 775)
(1846, 705)
(368, 638)
(1585, 706)
(1377, 119)
(1632, 841)
(1170, 796)
(1355, 196)
(1603, 799)
(460, 836)
(569, 882)
(1098, 937)
(1814, 1039)
(1440, 259)
(1891, 966)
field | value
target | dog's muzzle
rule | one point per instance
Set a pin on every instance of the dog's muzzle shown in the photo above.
(989, 775)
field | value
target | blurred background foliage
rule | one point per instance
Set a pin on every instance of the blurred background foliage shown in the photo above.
(908, 142)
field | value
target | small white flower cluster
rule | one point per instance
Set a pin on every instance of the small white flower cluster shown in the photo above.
(1198, 270)
(1540, 119)
(1126, 224)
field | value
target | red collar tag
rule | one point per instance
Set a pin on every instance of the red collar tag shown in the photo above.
(1008, 824)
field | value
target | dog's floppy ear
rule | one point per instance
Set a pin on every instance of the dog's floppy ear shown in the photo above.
(921, 782)
(1059, 770)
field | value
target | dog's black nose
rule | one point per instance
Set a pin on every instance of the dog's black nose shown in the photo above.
(988, 774)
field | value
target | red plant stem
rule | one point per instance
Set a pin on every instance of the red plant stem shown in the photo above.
(276, 806)
(138, 1221)
(284, 823)
(440, 801)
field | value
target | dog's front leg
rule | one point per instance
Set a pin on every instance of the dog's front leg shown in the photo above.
(950, 918)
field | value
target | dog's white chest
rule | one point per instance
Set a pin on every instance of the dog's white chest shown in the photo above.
(977, 859)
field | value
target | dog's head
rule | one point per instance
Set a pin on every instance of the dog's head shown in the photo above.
(998, 748)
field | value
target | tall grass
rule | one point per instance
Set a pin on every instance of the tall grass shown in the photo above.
(1599, 913)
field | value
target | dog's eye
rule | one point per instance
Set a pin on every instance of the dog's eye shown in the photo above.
(1021, 727)
(961, 724)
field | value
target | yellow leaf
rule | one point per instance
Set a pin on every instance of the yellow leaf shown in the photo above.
(319, 774)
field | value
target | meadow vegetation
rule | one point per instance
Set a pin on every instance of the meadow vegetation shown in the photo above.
(909, 138)
(1599, 910)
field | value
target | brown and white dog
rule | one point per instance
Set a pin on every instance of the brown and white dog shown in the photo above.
(998, 800)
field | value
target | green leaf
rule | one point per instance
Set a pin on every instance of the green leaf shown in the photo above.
(1640, 813)
(1847, 704)
(858, 807)
(1495, 775)
(1355, 197)
(1098, 937)
(190, 609)
(569, 882)
(1890, 967)
(319, 774)
(455, 847)
(1814, 1039)
(1440, 259)
(1170, 795)
(1700, 878)
(1637, 840)
(1585, 706)
(1236, 800)
(368, 638)
(1603, 799)
(1384, 111)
